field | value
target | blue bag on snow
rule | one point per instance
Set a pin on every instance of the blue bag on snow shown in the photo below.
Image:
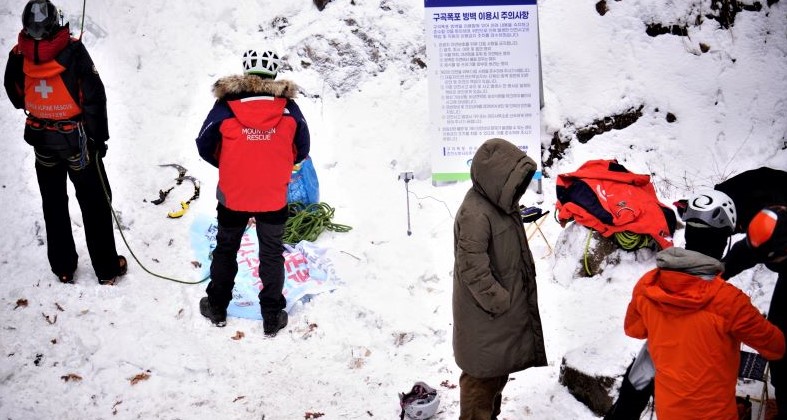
(304, 187)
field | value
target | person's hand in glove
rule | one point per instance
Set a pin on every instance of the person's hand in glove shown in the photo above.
(100, 147)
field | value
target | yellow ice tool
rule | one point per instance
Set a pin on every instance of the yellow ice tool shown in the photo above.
(175, 214)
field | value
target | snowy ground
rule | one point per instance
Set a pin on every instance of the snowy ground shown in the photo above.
(141, 348)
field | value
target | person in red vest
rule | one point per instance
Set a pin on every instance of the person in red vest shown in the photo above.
(695, 322)
(52, 78)
(254, 134)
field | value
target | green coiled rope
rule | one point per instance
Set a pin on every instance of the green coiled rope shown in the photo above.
(628, 241)
(306, 223)
(631, 241)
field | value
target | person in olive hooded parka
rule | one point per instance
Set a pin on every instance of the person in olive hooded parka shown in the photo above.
(497, 325)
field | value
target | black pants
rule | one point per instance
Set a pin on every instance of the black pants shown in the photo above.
(631, 402)
(777, 314)
(51, 171)
(224, 267)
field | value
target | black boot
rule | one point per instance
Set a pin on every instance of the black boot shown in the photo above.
(217, 316)
(273, 322)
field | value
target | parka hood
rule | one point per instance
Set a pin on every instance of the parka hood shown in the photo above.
(246, 84)
(690, 262)
(685, 281)
(501, 173)
(256, 102)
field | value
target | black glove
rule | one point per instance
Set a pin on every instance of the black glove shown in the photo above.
(100, 147)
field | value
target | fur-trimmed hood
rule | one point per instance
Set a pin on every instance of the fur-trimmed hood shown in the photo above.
(251, 84)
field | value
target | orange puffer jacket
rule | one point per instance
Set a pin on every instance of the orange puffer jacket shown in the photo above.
(694, 328)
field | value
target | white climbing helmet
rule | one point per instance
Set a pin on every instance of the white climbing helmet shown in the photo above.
(420, 403)
(711, 208)
(266, 63)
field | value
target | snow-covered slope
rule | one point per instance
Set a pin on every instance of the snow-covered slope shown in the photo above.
(347, 354)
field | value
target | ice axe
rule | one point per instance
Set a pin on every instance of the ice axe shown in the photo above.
(162, 194)
(184, 205)
(406, 177)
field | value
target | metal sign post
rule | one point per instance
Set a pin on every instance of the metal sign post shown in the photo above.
(406, 177)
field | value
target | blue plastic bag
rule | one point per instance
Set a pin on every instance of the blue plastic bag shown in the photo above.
(304, 187)
(308, 269)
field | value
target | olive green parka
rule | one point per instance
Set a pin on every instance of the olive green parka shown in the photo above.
(497, 326)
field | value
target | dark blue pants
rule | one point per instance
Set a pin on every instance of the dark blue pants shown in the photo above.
(52, 171)
(224, 267)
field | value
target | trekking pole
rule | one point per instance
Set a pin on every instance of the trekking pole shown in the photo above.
(407, 176)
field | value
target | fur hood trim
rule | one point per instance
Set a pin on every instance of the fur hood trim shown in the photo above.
(249, 83)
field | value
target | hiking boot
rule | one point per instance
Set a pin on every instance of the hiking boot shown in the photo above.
(217, 316)
(66, 278)
(273, 322)
(122, 270)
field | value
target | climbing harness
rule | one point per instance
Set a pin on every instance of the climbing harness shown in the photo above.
(77, 161)
(84, 157)
(306, 223)
(61, 126)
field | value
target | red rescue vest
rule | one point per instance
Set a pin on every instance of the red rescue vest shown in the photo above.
(257, 154)
(46, 96)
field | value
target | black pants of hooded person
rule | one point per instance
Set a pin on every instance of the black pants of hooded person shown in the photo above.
(52, 172)
(224, 267)
(631, 402)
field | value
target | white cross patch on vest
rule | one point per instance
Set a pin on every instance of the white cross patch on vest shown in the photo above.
(43, 89)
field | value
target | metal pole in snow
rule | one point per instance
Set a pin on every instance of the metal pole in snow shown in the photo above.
(407, 176)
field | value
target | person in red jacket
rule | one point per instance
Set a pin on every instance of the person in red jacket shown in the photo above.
(52, 77)
(254, 134)
(695, 323)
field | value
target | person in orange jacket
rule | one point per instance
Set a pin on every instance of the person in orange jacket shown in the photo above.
(695, 323)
